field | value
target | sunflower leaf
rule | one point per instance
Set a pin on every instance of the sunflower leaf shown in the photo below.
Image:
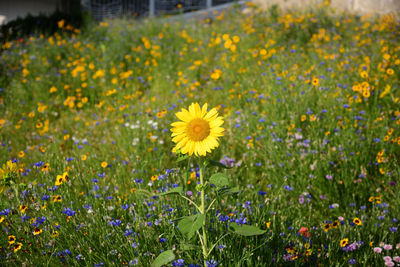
(164, 258)
(143, 193)
(190, 224)
(185, 246)
(246, 230)
(182, 157)
(217, 164)
(176, 190)
(219, 180)
(228, 191)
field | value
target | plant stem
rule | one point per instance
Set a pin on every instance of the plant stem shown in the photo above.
(202, 211)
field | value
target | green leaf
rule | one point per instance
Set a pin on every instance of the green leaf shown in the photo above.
(247, 230)
(218, 164)
(164, 258)
(190, 224)
(219, 180)
(181, 156)
(185, 246)
(176, 190)
(228, 191)
(143, 193)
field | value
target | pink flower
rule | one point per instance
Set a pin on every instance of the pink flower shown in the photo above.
(387, 258)
(396, 258)
(387, 247)
(377, 250)
(389, 263)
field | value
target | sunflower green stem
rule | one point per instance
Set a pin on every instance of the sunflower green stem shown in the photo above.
(203, 211)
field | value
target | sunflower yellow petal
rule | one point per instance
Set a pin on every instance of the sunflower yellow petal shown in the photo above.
(204, 110)
(184, 115)
(210, 114)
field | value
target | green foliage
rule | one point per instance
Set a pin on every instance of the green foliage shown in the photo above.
(189, 225)
(219, 180)
(311, 143)
(164, 258)
(247, 230)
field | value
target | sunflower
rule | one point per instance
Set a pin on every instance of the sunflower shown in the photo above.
(198, 131)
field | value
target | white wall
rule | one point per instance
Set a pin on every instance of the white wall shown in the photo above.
(11, 9)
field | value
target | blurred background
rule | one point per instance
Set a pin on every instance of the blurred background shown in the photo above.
(19, 18)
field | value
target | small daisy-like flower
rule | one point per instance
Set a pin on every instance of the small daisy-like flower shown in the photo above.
(65, 177)
(56, 198)
(59, 180)
(17, 247)
(315, 81)
(344, 242)
(22, 208)
(198, 131)
(37, 231)
(357, 221)
(11, 239)
(104, 164)
(327, 226)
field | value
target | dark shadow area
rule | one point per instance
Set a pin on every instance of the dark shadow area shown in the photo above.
(41, 24)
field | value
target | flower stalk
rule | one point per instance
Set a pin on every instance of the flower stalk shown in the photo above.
(203, 211)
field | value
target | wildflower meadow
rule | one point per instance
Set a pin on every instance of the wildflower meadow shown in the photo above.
(248, 138)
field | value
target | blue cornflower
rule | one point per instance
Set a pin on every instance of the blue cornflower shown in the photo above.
(211, 263)
(5, 212)
(128, 232)
(133, 262)
(179, 262)
(68, 212)
(115, 223)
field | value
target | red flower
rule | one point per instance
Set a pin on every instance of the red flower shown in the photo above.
(304, 231)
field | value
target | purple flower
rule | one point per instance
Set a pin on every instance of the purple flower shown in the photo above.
(352, 261)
